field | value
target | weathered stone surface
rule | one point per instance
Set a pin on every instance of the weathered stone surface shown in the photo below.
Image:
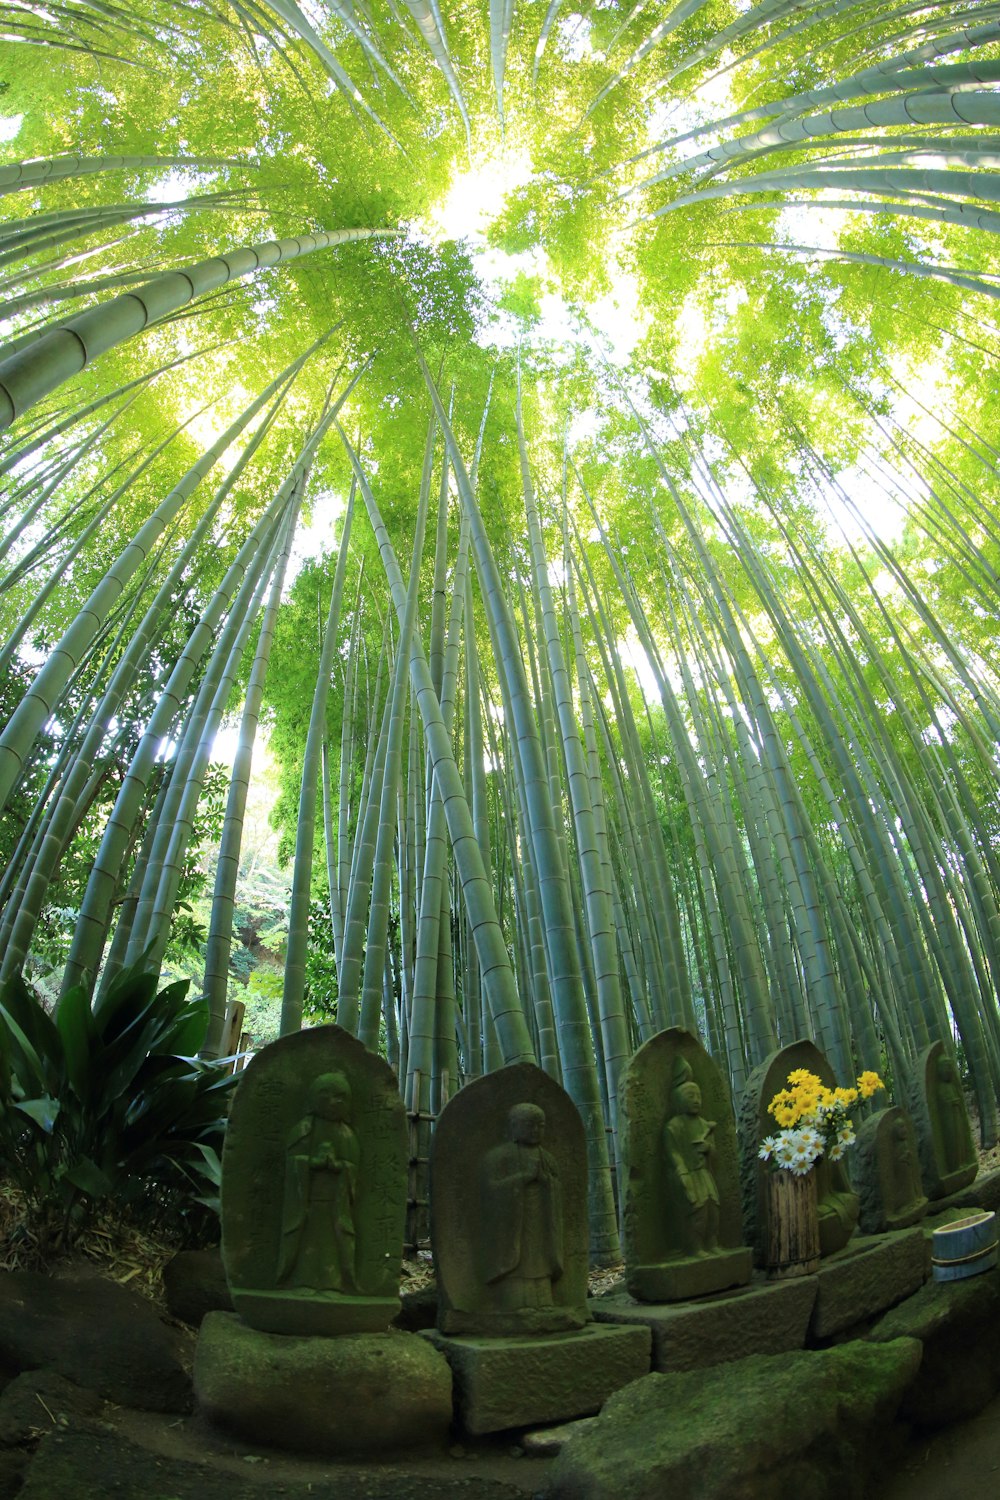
(518, 1382)
(509, 1213)
(546, 1442)
(38, 1400)
(763, 1318)
(683, 1232)
(195, 1284)
(314, 1187)
(838, 1204)
(948, 1157)
(885, 1170)
(866, 1279)
(354, 1394)
(958, 1324)
(761, 1429)
(99, 1335)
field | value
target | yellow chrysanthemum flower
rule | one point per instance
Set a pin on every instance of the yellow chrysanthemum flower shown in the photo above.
(869, 1083)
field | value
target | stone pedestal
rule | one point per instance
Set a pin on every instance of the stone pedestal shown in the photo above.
(668, 1282)
(322, 1316)
(519, 1382)
(867, 1279)
(763, 1318)
(355, 1394)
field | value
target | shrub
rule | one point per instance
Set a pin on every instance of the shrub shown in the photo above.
(110, 1102)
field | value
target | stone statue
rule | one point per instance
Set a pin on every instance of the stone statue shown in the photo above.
(947, 1151)
(509, 1212)
(314, 1187)
(521, 1220)
(689, 1142)
(887, 1173)
(682, 1227)
(838, 1205)
(318, 1230)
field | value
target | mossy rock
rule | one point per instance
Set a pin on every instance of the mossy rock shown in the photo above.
(763, 1428)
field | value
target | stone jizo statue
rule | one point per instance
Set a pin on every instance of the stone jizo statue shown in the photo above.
(948, 1156)
(318, 1229)
(689, 1146)
(682, 1232)
(522, 1215)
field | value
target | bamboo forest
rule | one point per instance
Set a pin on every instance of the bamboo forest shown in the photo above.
(522, 475)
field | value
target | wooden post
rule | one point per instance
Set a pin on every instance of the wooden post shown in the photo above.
(792, 1224)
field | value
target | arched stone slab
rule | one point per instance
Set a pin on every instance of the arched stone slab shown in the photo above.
(509, 1217)
(682, 1221)
(838, 1203)
(948, 1157)
(887, 1172)
(314, 1187)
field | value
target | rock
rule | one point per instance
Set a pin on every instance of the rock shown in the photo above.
(765, 1318)
(759, 1429)
(357, 1393)
(957, 1322)
(868, 1277)
(195, 1284)
(96, 1333)
(37, 1401)
(519, 1382)
(548, 1441)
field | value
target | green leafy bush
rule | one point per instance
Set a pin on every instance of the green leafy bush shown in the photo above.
(110, 1102)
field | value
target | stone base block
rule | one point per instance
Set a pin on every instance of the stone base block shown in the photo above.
(501, 1383)
(698, 1276)
(868, 1277)
(763, 1318)
(359, 1394)
(314, 1314)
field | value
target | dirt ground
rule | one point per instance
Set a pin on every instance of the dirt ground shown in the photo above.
(956, 1464)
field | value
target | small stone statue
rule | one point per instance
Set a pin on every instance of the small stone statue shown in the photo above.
(318, 1228)
(314, 1188)
(509, 1208)
(682, 1231)
(948, 1155)
(522, 1215)
(887, 1173)
(689, 1144)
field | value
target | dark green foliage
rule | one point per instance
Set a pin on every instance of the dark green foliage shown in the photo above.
(110, 1103)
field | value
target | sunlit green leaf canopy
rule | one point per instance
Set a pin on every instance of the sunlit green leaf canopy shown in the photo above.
(569, 430)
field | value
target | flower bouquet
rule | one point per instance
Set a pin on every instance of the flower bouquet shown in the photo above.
(814, 1121)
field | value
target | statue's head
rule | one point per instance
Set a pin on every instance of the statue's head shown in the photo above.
(946, 1069)
(329, 1097)
(685, 1095)
(526, 1124)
